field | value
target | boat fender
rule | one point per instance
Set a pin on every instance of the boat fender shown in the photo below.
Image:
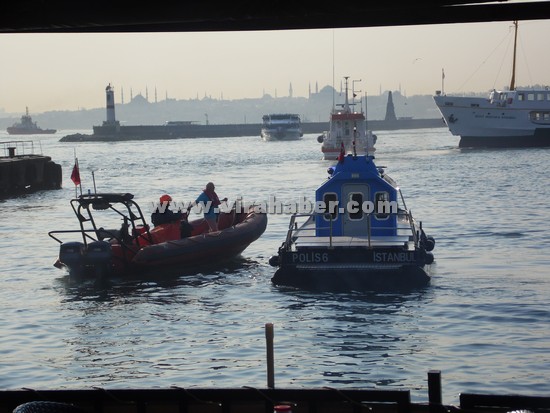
(429, 258)
(429, 243)
(47, 407)
(274, 260)
(320, 138)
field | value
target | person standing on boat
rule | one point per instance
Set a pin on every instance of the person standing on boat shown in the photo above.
(167, 216)
(210, 202)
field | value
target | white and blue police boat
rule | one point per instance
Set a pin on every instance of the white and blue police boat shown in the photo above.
(360, 235)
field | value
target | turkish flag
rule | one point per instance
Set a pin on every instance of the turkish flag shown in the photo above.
(342, 153)
(75, 175)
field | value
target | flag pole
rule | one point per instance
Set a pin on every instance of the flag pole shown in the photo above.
(79, 183)
(75, 166)
(75, 176)
(442, 81)
(93, 179)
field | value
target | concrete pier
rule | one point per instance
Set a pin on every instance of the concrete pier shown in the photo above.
(21, 171)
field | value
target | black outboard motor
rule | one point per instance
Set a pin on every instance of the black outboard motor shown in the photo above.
(71, 255)
(99, 258)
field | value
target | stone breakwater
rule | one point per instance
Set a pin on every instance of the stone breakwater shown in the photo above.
(27, 173)
(145, 132)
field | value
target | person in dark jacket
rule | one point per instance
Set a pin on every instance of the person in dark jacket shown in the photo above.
(167, 216)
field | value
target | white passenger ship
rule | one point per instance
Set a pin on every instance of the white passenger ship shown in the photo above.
(518, 117)
(281, 127)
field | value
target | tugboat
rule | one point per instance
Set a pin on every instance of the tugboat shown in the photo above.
(347, 128)
(361, 235)
(27, 127)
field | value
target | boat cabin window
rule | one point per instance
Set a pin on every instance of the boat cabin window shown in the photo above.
(331, 206)
(355, 203)
(382, 206)
(530, 96)
(540, 116)
(521, 97)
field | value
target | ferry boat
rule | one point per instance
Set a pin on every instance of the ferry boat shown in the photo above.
(347, 128)
(134, 248)
(281, 127)
(518, 117)
(361, 237)
(27, 127)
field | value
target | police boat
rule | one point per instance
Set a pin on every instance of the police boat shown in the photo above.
(360, 235)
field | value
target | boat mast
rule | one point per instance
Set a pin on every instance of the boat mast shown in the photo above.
(513, 81)
(346, 102)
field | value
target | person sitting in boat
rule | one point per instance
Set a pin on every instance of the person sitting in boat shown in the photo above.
(210, 202)
(166, 215)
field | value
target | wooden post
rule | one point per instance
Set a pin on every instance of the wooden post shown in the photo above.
(270, 362)
(434, 390)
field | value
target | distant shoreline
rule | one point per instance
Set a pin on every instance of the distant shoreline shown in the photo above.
(188, 131)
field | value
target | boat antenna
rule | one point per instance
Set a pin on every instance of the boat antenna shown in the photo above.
(346, 102)
(93, 179)
(333, 97)
(366, 111)
(354, 139)
(513, 81)
(354, 92)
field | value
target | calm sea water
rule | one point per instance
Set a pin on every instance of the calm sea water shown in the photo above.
(484, 321)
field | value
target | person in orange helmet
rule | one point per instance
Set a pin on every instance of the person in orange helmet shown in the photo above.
(165, 215)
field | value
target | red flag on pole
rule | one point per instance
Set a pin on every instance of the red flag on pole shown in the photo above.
(342, 153)
(75, 175)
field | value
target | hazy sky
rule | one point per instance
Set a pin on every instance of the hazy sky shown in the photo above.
(70, 71)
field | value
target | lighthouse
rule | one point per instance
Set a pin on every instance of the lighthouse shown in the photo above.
(111, 120)
(110, 94)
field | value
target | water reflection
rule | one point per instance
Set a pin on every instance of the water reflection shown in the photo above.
(361, 337)
(150, 284)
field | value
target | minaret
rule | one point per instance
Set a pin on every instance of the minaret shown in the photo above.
(110, 94)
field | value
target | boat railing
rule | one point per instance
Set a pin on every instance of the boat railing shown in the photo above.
(12, 148)
(100, 234)
(103, 234)
(305, 231)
